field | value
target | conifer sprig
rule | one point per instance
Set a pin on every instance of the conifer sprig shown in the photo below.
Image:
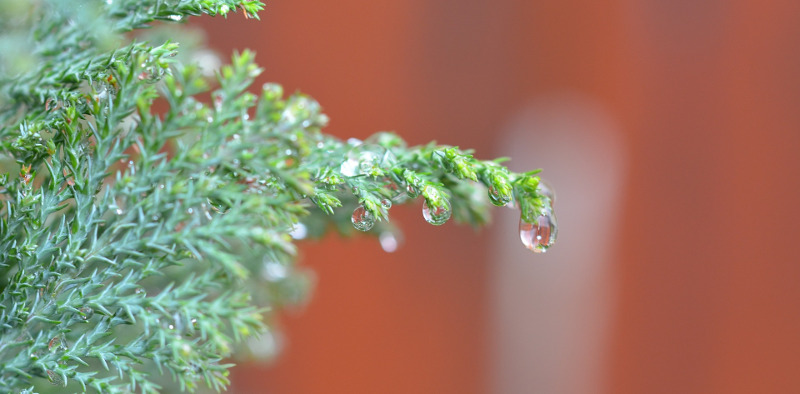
(145, 231)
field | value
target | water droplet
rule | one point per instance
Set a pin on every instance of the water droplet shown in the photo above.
(171, 327)
(354, 141)
(412, 191)
(320, 145)
(210, 119)
(55, 378)
(388, 242)
(86, 313)
(195, 325)
(274, 271)
(362, 219)
(367, 161)
(498, 198)
(298, 231)
(190, 211)
(541, 235)
(436, 215)
(547, 190)
(132, 167)
(386, 203)
(175, 17)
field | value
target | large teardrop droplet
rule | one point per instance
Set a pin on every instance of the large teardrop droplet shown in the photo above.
(540, 235)
(436, 216)
(362, 219)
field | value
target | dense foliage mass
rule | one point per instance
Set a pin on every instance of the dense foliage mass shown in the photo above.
(148, 209)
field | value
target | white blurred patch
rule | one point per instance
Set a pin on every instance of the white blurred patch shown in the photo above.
(207, 61)
(551, 312)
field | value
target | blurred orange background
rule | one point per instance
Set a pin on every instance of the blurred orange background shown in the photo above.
(671, 131)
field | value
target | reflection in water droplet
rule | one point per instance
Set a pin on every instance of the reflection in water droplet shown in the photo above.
(386, 203)
(498, 198)
(299, 231)
(86, 313)
(55, 378)
(541, 235)
(412, 191)
(361, 163)
(436, 215)
(548, 191)
(362, 219)
(54, 344)
(388, 242)
(118, 211)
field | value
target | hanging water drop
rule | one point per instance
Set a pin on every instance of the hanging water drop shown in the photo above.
(362, 219)
(497, 198)
(540, 235)
(386, 203)
(412, 191)
(437, 215)
(388, 242)
(86, 313)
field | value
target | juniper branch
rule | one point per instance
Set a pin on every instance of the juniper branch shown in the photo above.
(133, 239)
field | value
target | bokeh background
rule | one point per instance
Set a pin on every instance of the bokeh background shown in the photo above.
(671, 132)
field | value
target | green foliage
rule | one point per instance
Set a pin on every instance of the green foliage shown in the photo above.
(138, 220)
